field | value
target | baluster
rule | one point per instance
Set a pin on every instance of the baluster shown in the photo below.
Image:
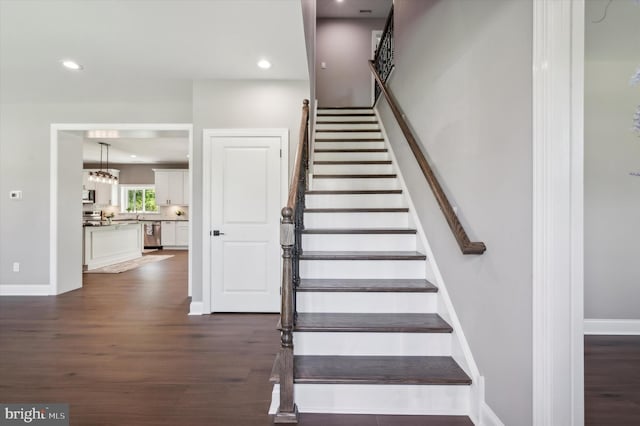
(288, 411)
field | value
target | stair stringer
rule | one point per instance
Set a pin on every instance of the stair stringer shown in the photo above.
(460, 349)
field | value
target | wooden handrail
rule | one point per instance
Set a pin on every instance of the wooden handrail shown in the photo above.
(302, 142)
(467, 246)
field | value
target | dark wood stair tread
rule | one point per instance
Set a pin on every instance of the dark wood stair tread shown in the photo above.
(346, 130)
(354, 191)
(367, 286)
(371, 323)
(362, 255)
(377, 231)
(345, 140)
(362, 210)
(362, 176)
(340, 162)
(355, 114)
(345, 107)
(405, 370)
(346, 122)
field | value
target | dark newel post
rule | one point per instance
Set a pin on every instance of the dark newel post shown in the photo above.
(288, 411)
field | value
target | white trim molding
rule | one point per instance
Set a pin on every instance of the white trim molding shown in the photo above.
(612, 327)
(488, 417)
(196, 308)
(25, 290)
(558, 91)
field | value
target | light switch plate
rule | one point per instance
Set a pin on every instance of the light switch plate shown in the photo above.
(15, 195)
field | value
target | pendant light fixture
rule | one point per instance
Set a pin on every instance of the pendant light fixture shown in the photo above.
(103, 176)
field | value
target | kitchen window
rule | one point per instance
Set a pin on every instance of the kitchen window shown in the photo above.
(138, 199)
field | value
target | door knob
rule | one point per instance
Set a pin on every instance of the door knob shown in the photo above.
(217, 233)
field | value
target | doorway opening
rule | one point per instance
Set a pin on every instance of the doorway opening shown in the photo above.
(74, 151)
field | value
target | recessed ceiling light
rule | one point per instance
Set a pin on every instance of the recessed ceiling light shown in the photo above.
(133, 156)
(339, 1)
(72, 65)
(264, 64)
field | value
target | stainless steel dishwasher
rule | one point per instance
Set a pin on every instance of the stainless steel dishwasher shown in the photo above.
(152, 235)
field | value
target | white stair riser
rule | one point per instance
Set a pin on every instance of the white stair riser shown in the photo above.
(356, 220)
(345, 117)
(357, 269)
(350, 145)
(418, 303)
(350, 126)
(363, 344)
(348, 135)
(359, 242)
(350, 156)
(376, 399)
(345, 169)
(321, 184)
(345, 111)
(329, 201)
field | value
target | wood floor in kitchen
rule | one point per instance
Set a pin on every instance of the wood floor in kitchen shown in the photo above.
(122, 351)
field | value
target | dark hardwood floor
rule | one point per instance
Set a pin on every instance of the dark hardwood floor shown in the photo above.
(122, 351)
(612, 380)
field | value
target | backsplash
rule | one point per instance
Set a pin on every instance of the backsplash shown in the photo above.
(166, 212)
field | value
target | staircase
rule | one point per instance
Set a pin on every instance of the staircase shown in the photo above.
(368, 337)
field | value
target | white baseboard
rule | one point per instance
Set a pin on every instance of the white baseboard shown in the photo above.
(25, 290)
(196, 308)
(629, 327)
(488, 417)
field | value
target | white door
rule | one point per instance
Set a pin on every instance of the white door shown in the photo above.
(245, 202)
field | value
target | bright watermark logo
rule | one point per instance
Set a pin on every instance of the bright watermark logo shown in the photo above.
(34, 414)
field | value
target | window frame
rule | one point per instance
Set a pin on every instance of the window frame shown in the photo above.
(124, 199)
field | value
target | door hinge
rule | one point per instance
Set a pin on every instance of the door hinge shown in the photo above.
(280, 153)
(280, 291)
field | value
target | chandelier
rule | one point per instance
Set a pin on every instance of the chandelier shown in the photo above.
(103, 176)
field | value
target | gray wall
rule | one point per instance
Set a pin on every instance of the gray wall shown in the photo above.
(345, 46)
(309, 18)
(138, 174)
(239, 104)
(24, 164)
(612, 195)
(463, 79)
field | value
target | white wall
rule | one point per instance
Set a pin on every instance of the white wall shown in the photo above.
(345, 46)
(463, 79)
(24, 165)
(612, 195)
(239, 104)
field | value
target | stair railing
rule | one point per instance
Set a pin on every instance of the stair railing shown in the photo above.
(381, 67)
(383, 57)
(291, 227)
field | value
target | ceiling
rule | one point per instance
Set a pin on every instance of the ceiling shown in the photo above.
(157, 46)
(351, 8)
(149, 147)
(617, 37)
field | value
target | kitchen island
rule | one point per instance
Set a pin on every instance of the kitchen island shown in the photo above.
(106, 244)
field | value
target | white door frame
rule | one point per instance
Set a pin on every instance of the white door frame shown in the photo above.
(558, 185)
(53, 176)
(207, 172)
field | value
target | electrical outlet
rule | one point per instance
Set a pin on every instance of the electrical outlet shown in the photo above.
(16, 266)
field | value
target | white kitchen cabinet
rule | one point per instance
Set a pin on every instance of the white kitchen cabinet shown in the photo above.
(168, 229)
(170, 187)
(185, 188)
(182, 233)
